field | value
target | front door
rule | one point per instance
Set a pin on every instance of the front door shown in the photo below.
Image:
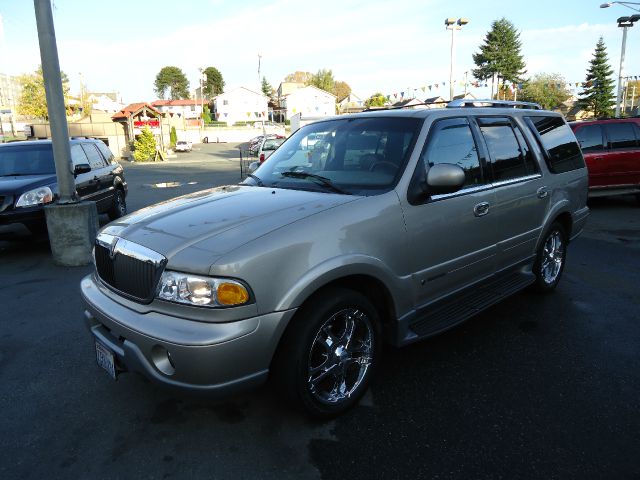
(452, 236)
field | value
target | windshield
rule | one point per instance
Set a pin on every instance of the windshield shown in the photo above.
(358, 156)
(27, 160)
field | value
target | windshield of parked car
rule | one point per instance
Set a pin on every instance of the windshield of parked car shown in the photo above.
(26, 159)
(357, 156)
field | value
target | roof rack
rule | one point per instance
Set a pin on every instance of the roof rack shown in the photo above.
(493, 103)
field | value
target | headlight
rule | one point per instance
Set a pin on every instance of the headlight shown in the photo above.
(202, 291)
(37, 196)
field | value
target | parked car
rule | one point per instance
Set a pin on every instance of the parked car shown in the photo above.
(611, 148)
(404, 224)
(268, 146)
(183, 146)
(255, 143)
(28, 180)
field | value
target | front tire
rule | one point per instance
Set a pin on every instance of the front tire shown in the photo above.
(119, 207)
(329, 353)
(550, 258)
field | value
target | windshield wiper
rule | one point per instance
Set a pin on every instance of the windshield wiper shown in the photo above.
(257, 179)
(318, 178)
(16, 174)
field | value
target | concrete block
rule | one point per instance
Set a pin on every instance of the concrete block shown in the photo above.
(72, 232)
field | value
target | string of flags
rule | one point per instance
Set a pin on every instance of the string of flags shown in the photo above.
(441, 87)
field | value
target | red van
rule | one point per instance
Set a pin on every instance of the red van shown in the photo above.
(611, 149)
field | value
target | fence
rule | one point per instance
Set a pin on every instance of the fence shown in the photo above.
(247, 157)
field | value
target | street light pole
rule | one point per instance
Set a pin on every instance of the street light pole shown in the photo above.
(453, 25)
(624, 23)
(55, 101)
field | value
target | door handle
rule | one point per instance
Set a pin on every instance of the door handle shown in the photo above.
(542, 192)
(481, 209)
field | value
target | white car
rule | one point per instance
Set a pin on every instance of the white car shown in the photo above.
(183, 146)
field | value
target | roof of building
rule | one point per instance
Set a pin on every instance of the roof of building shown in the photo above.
(185, 102)
(132, 109)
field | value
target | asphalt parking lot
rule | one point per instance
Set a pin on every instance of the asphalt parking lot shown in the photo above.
(536, 387)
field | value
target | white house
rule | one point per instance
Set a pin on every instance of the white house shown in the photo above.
(310, 101)
(185, 108)
(240, 105)
(352, 103)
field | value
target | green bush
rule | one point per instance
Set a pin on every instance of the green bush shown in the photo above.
(145, 146)
(173, 137)
(240, 124)
(206, 115)
(287, 122)
(216, 123)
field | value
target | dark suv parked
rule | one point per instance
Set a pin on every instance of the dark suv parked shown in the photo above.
(611, 149)
(28, 180)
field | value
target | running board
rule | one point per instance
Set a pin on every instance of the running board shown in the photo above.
(457, 308)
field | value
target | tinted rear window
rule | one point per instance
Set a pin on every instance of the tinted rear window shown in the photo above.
(560, 145)
(26, 160)
(590, 138)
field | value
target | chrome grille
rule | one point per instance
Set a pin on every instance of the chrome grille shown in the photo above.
(128, 268)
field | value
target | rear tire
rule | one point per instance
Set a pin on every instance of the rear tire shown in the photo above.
(550, 258)
(119, 206)
(329, 353)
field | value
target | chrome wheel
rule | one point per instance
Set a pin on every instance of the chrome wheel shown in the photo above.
(340, 356)
(552, 257)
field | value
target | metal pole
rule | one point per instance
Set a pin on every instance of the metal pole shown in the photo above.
(55, 101)
(633, 96)
(624, 46)
(453, 50)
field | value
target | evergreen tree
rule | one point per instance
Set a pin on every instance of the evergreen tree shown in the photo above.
(174, 80)
(597, 95)
(500, 54)
(266, 88)
(214, 84)
(173, 137)
(145, 146)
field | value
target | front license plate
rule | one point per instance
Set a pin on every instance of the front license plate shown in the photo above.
(105, 359)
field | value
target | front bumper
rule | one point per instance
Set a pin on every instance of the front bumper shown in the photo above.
(194, 356)
(28, 216)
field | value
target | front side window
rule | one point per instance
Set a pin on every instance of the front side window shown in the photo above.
(358, 156)
(621, 135)
(590, 138)
(509, 158)
(558, 141)
(451, 141)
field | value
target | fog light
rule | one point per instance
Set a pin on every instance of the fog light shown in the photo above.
(162, 360)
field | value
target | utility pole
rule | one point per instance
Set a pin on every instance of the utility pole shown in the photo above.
(71, 225)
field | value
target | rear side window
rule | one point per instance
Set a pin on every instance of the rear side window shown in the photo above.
(451, 141)
(106, 152)
(510, 156)
(95, 159)
(559, 143)
(590, 138)
(620, 135)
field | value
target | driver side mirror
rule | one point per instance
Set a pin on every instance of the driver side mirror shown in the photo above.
(81, 168)
(445, 178)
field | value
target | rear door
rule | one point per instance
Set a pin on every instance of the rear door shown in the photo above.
(102, 177)
(452, 236)
(522, 197)
(85, 186)
(622, 160)
(594, 148)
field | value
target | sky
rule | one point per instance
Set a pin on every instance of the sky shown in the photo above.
(385, 46)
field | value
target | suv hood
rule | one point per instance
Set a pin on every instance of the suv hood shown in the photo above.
(17, 184)
(193, 231)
